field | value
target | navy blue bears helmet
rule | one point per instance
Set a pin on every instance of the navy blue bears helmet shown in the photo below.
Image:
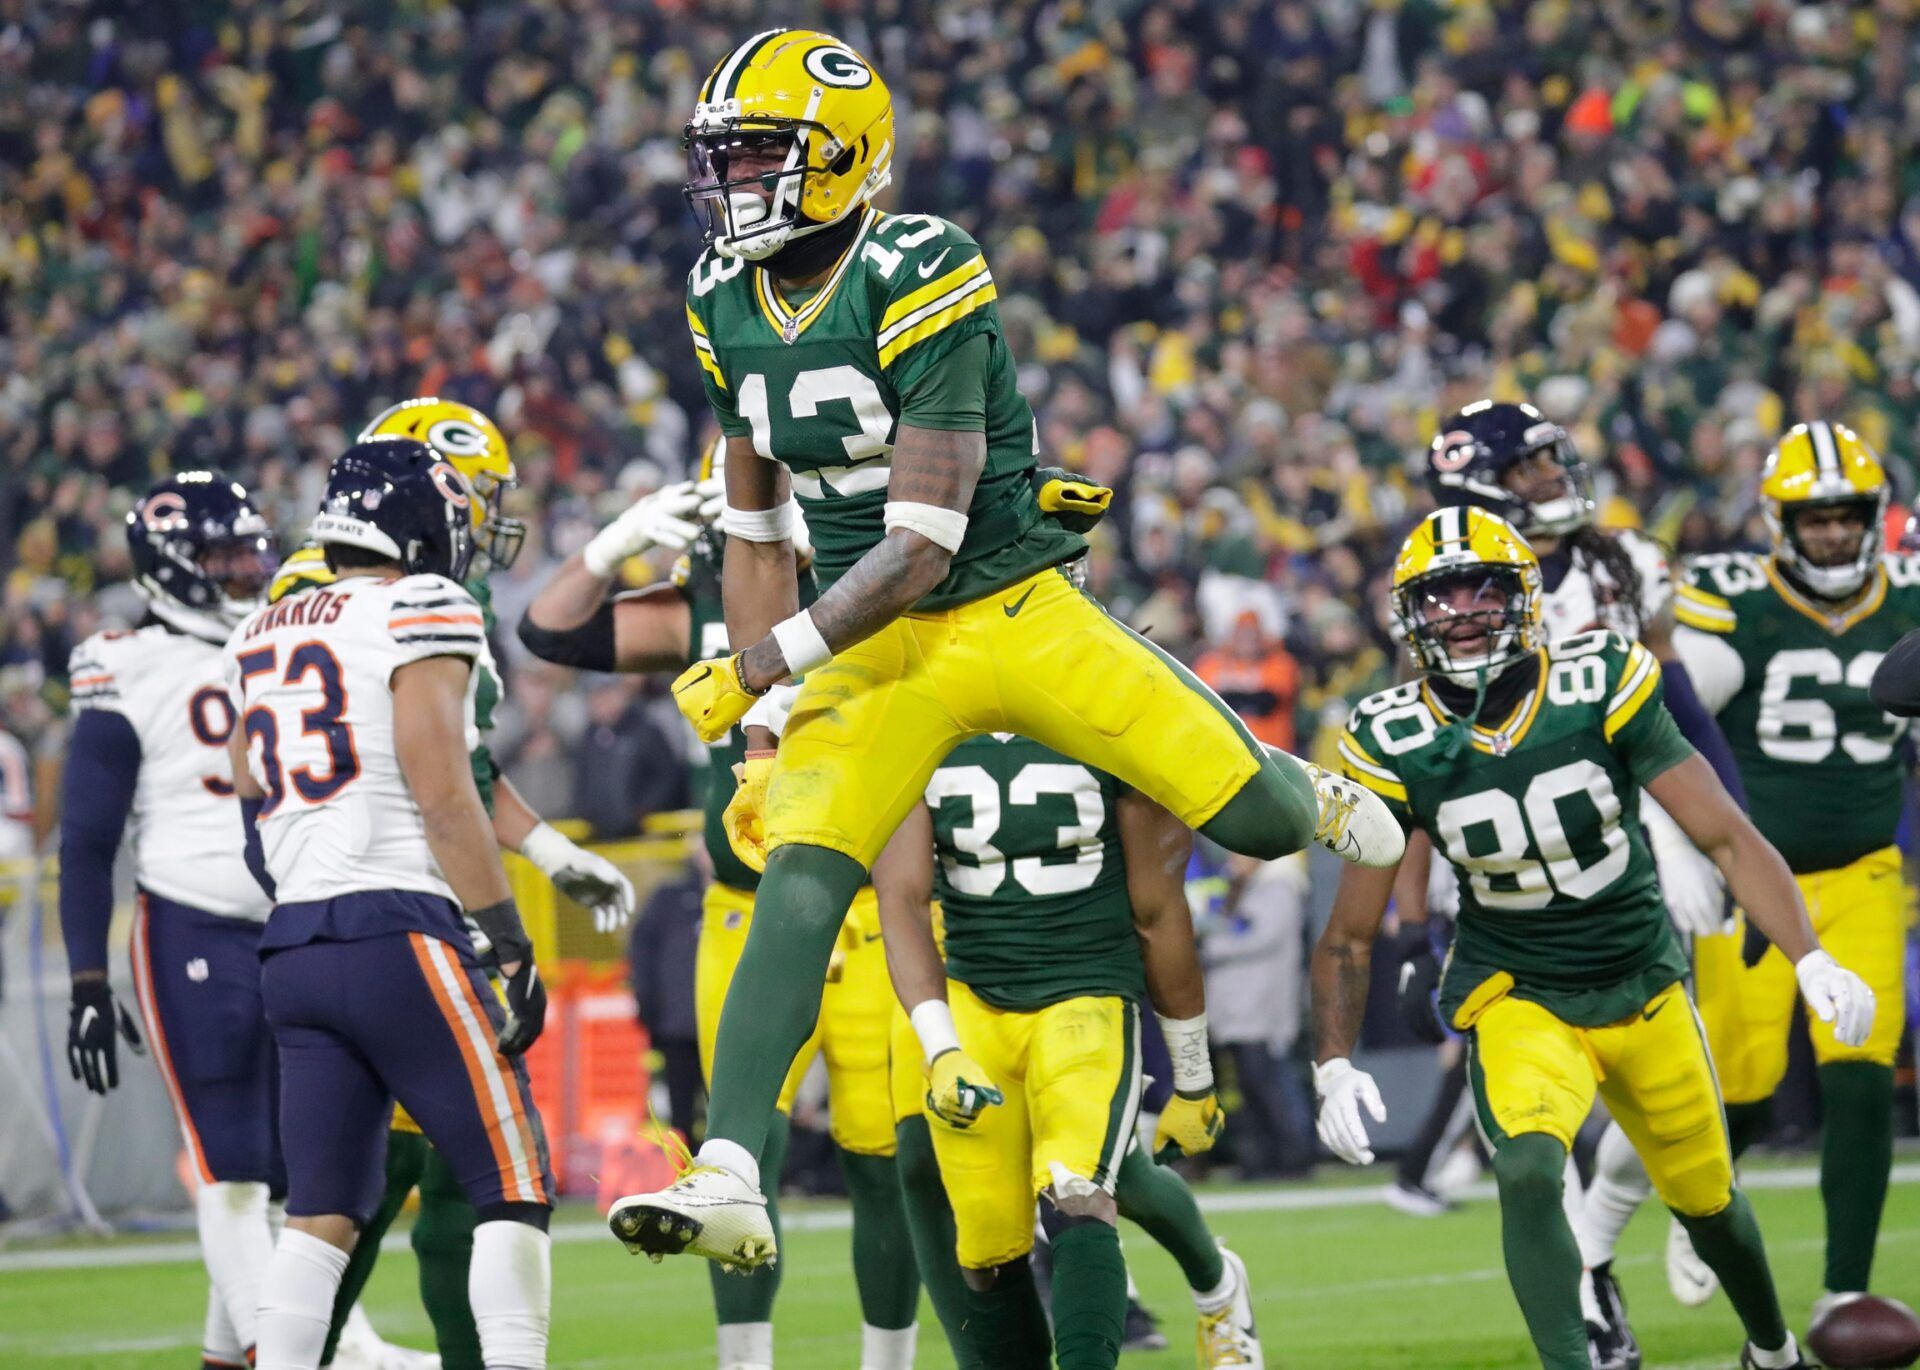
(202, 553)
(401, 500)
(1477, 452)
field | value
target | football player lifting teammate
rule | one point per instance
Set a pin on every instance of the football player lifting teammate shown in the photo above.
(855, 359)
(1525, 763)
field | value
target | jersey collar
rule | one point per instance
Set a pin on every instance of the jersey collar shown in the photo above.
(1835, 622)
(1503, 739)
(791, 323)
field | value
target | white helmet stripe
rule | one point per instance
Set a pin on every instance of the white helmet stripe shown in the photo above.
(724, 77)
(1825, 454)
(1450, 529)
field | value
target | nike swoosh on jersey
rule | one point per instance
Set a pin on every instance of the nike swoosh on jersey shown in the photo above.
(1018, 604)
(932, 264)
(1647, 1015)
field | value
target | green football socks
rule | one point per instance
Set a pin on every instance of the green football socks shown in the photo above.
(406, 1154)
(749, 1297)
(1856, 1161)
(1157, 1198)
(1729, 1242)
(778, 982)
(1089, 1296)
(1747, 1124)
(1543, 1260)
(929, 1216)
(443, 1248)
(1274, 814)
(883, 1265)
(1004, 1327)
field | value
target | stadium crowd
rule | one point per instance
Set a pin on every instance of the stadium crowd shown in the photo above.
(1249, 251)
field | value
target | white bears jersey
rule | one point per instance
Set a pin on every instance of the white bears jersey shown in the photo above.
(188, 843)
(16, 806)
(312, 679)
(1585, 598)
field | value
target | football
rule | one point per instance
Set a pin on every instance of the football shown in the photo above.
(1859, 1331)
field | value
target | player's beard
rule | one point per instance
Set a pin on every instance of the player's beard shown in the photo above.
(814, 253)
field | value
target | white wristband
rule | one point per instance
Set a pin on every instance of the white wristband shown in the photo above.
(933, 1024)
(945, 527)
(1186, 1040)
(606, 550)
(801, 643)
(759, 525)
(547, 848)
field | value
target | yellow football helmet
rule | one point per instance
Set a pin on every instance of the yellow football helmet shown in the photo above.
(305, 569)
(1823, 465)
(813, 100)
(478, 450)
(1467, 594)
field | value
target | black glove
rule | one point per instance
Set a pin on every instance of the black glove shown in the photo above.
(91, 1027)
(1419, 981)
(526, 1000)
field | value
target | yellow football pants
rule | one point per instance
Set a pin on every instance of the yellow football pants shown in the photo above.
(1071, 1076)
(1532, 1072)
(855, 1015)
(1859, 912)
(1038, 658)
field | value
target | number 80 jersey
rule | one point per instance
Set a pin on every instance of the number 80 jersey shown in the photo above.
(1540, 817)
(311, 678)
(1788, 675)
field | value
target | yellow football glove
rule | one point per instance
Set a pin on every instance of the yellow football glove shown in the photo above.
(745, 818)
(713, 697)
(1075, 501)
(1188, 1126)
(958, 1089)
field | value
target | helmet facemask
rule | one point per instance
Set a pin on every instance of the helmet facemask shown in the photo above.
(498, 537)
(1563, 512)
(754, 215)
(1840, 579)
(204, 580)
(1466, 623)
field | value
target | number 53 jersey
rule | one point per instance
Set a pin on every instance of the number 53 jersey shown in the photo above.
(1787, 675)
(1540, 818)
(312, 679)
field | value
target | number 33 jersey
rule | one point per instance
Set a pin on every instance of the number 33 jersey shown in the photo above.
(1788, 677)
(187, 843)
(312, 679)
(1540, 818)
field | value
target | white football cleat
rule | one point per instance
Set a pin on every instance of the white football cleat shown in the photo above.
(1227, 1335)
(708, 1211)
(1691, 1279)
(1355, 825)
(362, 1348)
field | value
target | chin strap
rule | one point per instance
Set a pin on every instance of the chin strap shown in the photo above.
(1460, 731)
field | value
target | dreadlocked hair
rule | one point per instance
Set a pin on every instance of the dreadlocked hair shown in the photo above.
(1622, 586)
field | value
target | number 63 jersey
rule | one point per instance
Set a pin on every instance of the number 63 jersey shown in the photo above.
(311, 677)
(1788, 675)
(1540, 817)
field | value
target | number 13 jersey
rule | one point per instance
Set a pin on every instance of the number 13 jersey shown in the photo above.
(312, 679)
(1540, 818)
(1787, 675)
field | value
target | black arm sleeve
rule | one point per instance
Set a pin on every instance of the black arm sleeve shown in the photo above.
(1896, 680)
(587, 647)
(103, 766)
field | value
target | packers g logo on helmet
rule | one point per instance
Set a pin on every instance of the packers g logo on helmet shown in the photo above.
(477, 449)
(807, 99)
(1467, 594)
(1821, 465)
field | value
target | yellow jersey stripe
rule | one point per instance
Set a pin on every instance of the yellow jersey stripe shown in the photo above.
(1704, 600)
(698, 329)
(926, 294)
(1354, 758)
(1693, 616)
(1622, 708)
(1384, 788)
(974, 299)
(710, 366)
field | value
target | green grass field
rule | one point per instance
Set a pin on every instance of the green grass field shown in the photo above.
(1343, 1283)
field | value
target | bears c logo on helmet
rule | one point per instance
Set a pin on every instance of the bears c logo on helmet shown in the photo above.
(164, 512)
(839, 67)
(450, 483)
(1451, 451)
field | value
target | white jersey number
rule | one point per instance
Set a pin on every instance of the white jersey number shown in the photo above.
(1805, 730)
(263, 726)
(1036, 875)
(1547, 863)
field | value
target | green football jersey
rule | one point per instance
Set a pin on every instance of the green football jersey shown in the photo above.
(1540, 818)
(1788, 680)
(1031, 877)
(697, 577)
(822, 384)
(487, 692)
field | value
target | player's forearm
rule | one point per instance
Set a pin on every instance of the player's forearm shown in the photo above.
(460, 836)
(1175, 983)
(513, 819)
(571, 596)
(889, 580)
(761, 587)
(1342, 965)
(1763, 885)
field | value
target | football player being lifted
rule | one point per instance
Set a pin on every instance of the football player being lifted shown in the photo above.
(1512, 460)
(352, 762)
(1524, 762)
(855, 359)
(664, 628)
(1063, 895)
(1783, 648)
(149, 751)
(442, 1233)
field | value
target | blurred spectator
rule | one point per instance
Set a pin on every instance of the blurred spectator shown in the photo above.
(16, 804)
(627, 767)
(1257, 678)
(1254, 952)
(660, 954)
